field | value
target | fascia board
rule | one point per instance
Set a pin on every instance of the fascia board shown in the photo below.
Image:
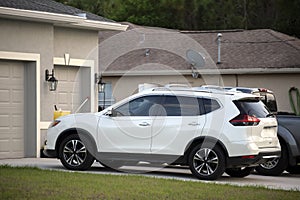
(59, 19)
(203, 72)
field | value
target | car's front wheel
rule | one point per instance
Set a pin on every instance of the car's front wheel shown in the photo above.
(239, 172)
(73, 153)
(207, 161)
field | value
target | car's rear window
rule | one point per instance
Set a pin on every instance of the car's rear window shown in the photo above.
(254, 108)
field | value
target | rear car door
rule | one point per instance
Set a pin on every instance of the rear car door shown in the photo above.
(180, 120)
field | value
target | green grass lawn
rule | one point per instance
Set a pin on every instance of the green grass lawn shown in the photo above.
(33, 183)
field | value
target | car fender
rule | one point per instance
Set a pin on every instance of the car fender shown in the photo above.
(289, 141)
(202, 139)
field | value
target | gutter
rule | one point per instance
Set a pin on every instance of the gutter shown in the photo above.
(63, 20)
(202, 72)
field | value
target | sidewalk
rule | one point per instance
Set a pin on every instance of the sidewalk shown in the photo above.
(44, 163)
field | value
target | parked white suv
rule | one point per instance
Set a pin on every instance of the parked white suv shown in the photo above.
(211, 131)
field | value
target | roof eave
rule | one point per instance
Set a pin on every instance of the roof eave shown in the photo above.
(202, 72)
(60, 19)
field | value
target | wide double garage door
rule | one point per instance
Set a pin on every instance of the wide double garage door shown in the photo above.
(11, 109)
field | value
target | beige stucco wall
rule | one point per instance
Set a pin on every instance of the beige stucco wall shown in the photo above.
(49, 42)
(279, 83)
(27, 37)
(127, 85)
(79, 43)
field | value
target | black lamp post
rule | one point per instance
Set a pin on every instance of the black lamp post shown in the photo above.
(52, 81)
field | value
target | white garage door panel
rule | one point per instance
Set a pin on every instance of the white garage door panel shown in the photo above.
(67, 94)
(11, 109)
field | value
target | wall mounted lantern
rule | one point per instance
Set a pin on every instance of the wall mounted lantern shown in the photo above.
(52, 81)
(101, 89)
(101, 84)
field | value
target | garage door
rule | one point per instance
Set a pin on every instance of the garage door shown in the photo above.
(71, 90)
(11, 109)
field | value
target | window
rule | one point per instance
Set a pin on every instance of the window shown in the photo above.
(210, 105)
(143, 106)
(253, 108)
(182, 106)
(105, 99)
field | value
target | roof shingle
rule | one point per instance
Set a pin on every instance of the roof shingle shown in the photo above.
(240, 49)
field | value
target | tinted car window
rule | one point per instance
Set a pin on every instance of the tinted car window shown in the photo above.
(271, 102)
(182, 106)
(254, 108)
(210, 105)
(143, 106)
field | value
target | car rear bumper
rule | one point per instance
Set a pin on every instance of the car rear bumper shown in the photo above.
(251, 160)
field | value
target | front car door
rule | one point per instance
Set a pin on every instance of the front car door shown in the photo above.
(129, 129)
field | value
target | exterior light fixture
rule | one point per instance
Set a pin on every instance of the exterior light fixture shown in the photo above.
(101, 89)
(101, 85)
(52, 81)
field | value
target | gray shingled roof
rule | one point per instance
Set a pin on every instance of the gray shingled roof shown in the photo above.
(263, 48)
(49, 6)
(241, 49)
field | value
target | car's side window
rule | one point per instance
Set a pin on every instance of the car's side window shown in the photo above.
(210, 105)
(142, 106)
(182, 106)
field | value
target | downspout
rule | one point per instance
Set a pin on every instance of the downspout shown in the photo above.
(219, 47)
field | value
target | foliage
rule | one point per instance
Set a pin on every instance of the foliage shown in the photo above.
(280, 15)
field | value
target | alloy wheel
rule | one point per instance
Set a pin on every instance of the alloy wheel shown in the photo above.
(205, 161)
(74, 152)
(270, 164)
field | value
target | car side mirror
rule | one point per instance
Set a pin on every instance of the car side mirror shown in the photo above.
(112, 113)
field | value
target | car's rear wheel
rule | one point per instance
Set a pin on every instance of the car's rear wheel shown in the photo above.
(74, 154)
(275, 166)
(207, 161)
(239, 172)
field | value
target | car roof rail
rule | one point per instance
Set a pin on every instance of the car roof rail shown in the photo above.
(192, 89)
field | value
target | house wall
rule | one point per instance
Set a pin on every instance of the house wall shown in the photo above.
(128, 85)
(50, 43)
(278, 83)
(79, 44)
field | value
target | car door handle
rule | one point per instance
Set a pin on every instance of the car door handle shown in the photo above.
(144, 124)
(193, 124)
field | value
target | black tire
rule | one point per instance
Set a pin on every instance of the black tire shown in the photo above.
(239, 172)
(207, 161)
(275, 166)
(293, 169)
(73, 153)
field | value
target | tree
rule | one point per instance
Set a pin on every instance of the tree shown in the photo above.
(280, 15)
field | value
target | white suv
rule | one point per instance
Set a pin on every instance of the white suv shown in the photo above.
(211, 131)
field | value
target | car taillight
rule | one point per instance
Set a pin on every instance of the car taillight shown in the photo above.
(244, 120)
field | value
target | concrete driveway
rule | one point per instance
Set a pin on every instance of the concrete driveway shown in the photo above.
(286, 181)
